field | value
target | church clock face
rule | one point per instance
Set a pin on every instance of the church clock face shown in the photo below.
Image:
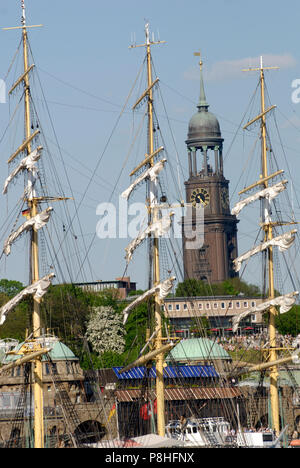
(225, 198)
(200, 197)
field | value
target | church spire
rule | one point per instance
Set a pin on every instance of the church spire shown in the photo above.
(202, 105)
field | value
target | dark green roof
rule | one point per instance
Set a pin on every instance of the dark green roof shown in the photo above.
(204, 125)
(59, 352)
(197, 349)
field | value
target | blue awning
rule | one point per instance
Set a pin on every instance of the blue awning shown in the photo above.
(170, 372)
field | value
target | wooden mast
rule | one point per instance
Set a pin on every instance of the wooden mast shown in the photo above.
(153, 212)
(33, 206)
(32, 348)
(36, 318)
(268, 229)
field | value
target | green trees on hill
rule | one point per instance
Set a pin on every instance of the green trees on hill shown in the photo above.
(16, 323)
(231, 287)
(289, 323)
(67, 311)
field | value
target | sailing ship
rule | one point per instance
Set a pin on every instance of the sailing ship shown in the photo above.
(158, 226)
(30, 417)
(197, 432)
(32, 350)
(266, 189)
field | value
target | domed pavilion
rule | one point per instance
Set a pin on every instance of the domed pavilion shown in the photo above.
(200, 351)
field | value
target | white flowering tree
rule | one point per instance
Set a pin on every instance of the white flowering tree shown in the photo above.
(105, 331)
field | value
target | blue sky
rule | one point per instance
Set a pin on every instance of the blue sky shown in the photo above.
(87, 70)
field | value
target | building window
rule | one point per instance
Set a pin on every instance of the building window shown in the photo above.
(184, 306)
(253, 317)
(170, 307)
(207, 305)
(6, 401)
(53, 369)
(230, 306)
(177, 306)
(200, 306)
(47, 369)
(222, 305)
(253, 304)
(238, 305)
(216, 305)
(245, 304)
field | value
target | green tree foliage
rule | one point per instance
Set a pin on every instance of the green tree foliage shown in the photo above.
(10, 288)
(134, 333)
(231, 287)
(64, 311)
(17, 320)
(136, 328)
(289, 323)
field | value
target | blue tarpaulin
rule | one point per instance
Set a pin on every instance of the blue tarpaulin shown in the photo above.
(170, 372)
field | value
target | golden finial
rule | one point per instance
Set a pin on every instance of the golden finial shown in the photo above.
(198, 54)
(202, 101)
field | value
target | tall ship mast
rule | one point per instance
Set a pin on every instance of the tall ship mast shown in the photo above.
(32, 349)
(158, 226)
(153, 217)
(267, 193)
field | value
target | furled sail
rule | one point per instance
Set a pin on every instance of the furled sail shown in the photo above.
(159, 229)
(283, 241)
(152, 173)
(268, 193)
(39, 288)
(285, 302)
(162, 289)
(37, 222)
(29, 163)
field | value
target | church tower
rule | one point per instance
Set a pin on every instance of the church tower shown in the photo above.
(207, 187)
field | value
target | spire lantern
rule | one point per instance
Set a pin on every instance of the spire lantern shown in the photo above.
(204, 128)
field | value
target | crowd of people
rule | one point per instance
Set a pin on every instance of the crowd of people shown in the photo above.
(257, 341)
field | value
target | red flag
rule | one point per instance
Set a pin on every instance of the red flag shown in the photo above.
(146, 410)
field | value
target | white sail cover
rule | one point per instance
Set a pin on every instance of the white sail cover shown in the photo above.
(39, 288)
(152, 173)
(28, 163)
(163, 289)
(283, 241)
(37, 222)
(159, 229)
(285, 302)
(269, 193)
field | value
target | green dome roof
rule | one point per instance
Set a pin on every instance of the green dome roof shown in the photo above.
(203, 125)
(59, 351)
(197, 349)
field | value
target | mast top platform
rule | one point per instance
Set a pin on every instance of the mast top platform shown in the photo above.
(23, 20)
(260, 68)
(148, 42)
